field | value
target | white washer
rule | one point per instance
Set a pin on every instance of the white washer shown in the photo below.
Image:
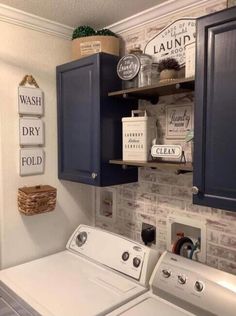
(97, 273)
(182, 287)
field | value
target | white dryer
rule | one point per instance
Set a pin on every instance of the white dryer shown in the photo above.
(182, 287)
(98, 272)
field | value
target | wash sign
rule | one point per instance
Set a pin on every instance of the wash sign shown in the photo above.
(30, 101)
(171, 41)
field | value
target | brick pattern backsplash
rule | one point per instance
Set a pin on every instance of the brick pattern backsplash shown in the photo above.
(159, 193)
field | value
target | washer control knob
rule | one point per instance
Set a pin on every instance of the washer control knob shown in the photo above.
(182, 279)
(81, 239)
(136, 262)
(125, 256)
(166, 273)
(198, 286)
(195, 190)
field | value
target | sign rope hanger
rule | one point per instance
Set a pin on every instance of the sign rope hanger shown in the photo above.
(30, 80)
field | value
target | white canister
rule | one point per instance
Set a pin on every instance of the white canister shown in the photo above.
(138, 132)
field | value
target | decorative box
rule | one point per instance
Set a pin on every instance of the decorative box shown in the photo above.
(37, 199)
(138, 133)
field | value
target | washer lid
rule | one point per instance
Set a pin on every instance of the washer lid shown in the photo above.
(67, 284)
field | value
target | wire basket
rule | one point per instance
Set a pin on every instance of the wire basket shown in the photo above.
(37, 199)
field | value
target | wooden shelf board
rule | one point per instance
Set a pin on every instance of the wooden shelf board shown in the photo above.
(163, 88)
(176, 166)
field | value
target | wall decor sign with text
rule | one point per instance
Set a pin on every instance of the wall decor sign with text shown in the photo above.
(179, 121)
(30, 101)
(166, 151)
(32, 161)
(128, 67)
(171, 41)
(31, 131)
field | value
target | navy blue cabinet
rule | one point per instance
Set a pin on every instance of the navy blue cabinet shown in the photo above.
(215, 111)
(89, 122)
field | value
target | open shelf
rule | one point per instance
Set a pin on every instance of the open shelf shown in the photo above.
(162, 165)
(152, 93)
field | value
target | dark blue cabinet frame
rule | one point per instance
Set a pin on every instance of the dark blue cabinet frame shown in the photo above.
(215, 111)
(89, 122)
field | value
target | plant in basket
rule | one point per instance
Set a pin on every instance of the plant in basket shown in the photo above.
(168, 69)
(87, 41)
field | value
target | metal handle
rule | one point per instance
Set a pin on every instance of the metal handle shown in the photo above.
(94, 175)
(195, 190)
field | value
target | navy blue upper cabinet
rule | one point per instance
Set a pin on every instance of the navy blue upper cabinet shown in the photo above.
(89, 122)
(215, 111)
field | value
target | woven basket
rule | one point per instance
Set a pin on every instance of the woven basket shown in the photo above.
(37, 199)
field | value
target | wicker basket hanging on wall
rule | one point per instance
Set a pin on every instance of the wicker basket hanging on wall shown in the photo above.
(37, 199)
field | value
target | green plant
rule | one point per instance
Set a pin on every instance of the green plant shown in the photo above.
(168, 63)
(82, 31)
(106, 32)
(85, 30)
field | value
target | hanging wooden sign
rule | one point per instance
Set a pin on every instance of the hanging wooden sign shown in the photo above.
(31, 131)
(171, 41)
(166, 151)
(128, 67)
(30, 101)
(31, 161)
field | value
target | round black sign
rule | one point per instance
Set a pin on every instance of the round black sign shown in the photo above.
(128, 67)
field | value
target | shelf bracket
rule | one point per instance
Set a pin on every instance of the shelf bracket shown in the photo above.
(152, 99)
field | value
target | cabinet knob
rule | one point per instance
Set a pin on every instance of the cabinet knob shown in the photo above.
(94, 175)
(195, 190)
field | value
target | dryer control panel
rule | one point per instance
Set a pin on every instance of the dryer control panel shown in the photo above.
(191, 283)
(114, 251)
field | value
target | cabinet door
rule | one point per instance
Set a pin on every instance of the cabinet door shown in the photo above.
(215, 111)
(78, 120)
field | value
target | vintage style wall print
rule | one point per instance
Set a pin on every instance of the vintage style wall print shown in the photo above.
(171, 41)
(179, 120)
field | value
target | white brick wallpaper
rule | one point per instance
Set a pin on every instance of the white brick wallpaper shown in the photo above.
(159, 193)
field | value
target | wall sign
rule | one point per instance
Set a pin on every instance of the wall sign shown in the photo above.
(31, 131)
(128, 67)
(30, 101)
(178, 121)
(171, 41)
(32, 161)
(166, 151)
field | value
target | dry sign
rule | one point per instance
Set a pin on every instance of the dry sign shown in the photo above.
(30, 101)
(31, 161)
(171, 41)
(31, 131)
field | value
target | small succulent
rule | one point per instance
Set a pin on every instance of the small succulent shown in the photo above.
(82, 31)
(106, 32)
(168, 63)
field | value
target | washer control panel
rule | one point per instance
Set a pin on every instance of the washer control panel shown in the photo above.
(114, 251)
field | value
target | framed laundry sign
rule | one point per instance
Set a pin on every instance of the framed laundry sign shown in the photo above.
(31, 131)
(30, 101)
(179, 120)
(171, 41)
(31, 161)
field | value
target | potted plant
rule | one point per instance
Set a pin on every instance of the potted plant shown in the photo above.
(168, 69)
(87, 41)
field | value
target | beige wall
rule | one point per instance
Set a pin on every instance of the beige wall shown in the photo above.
(24, 51)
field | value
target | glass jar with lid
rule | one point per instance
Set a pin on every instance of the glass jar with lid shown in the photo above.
(144, 75)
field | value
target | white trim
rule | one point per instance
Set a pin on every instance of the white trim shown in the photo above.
(34, 22)
(162, 10)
